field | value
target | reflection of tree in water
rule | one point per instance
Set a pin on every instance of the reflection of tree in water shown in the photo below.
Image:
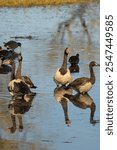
(82, 101)
(78, 13)
(17, 107)
(76, 31)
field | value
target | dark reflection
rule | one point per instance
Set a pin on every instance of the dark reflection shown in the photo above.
(83, 101)
(5, 69)
(74, 68)
(18, 106)
(59, 96)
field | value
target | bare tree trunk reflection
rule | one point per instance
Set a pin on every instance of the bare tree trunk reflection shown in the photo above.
(78, 13)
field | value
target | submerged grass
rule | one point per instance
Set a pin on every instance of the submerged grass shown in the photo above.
(30, 3)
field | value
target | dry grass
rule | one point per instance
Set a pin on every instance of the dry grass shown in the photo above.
(30, 3)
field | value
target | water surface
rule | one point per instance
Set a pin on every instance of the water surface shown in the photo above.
(44, 126)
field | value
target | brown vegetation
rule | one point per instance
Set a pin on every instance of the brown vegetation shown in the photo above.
(30, 3)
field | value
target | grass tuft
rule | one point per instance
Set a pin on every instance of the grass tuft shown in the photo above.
(31, 3)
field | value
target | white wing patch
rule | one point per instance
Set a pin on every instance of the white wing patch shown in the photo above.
(85, 88)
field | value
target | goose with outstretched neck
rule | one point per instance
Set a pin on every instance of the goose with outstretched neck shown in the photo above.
(26, 79)
(84, 84)
(17, 86)
(63, 75)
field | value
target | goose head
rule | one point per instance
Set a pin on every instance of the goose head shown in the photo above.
(93, 63)
(67, 51)
(19, 44)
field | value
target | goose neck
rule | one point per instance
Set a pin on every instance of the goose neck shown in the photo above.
(13, 71)
(18, 73)
(92, 75)
(64, 65)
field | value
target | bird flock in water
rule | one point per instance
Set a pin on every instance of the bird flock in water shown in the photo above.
(20, 86)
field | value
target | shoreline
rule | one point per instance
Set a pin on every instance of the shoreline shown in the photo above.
(37, 3)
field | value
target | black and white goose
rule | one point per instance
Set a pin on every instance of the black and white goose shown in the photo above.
(63, 75)
(26, 79)
(12, 44)
(84, 84)
(17, 86)
(5, 54)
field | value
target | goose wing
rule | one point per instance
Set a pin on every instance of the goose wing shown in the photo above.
(79, 81)
(21, 88)
(28, 81)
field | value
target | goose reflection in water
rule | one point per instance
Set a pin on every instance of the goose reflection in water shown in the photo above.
(74, 68)
(59, 96)
(83, 101)
(17, 107)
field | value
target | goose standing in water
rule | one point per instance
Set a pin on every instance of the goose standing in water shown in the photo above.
(12, 44)
(63, 75)
(84, 84)
(17, 86)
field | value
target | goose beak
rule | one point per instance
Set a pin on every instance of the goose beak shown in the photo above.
(97, 64)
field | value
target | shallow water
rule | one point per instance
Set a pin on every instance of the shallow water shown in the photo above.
(44, 125)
